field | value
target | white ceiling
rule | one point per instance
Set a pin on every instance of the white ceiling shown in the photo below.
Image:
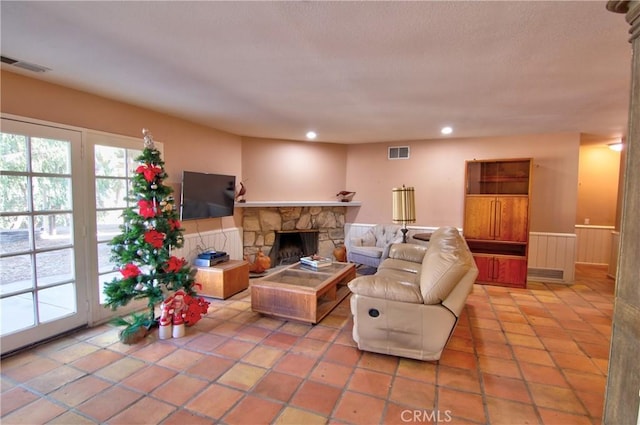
(353, 71)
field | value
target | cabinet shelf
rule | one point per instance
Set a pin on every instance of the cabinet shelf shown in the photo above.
(497, 248)
(500, 177)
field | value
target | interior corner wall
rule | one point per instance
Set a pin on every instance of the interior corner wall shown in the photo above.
(187, 146)
(436, 168)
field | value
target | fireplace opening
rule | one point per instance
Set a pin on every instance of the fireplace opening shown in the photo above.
(289, 246)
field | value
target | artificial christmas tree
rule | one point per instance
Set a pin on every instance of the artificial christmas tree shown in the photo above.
(142, 251)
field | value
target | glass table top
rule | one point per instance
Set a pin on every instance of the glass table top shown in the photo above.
(306, 276)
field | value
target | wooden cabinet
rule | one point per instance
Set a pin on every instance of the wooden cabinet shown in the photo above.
(223, 280)
(496, 219)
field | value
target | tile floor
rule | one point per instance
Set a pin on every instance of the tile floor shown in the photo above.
(534, 356)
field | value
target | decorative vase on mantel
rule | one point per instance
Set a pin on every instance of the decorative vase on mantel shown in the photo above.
(345, 196)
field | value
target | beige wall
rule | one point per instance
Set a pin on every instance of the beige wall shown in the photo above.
(281, 170)
(598, 175)
(436, 170)
(291, 170)
(187, 146)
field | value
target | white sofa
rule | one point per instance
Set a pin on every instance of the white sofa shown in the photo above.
(410, 307)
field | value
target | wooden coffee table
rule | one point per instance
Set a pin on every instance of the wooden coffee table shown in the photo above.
(302, 293)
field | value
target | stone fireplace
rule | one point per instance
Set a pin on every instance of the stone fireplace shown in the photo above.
(290, 245)
(322, 226)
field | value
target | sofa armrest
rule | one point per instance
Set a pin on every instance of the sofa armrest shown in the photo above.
(385, 288)
(385, 250)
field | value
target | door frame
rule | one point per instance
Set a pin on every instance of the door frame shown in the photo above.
(99, 313)
(43, 331)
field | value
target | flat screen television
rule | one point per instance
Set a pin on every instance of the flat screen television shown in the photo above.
(206, 195)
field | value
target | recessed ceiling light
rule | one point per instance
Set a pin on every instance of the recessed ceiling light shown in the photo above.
(311, 135)
(615, 147)
(446, 130)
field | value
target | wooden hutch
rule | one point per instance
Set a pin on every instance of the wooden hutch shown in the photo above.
(496, 219)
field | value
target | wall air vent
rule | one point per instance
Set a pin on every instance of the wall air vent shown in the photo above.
(24, 65)
(533, 273)
(398, 152)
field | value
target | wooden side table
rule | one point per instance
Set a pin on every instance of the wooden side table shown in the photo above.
(223, 280)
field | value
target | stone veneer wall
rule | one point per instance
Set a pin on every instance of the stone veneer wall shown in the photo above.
(260, 224)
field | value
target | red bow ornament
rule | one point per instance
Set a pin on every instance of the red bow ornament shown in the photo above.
(174, 224)
(149, 171)
(154, 238)
(174, 264)
(148, 209)
(130, 271)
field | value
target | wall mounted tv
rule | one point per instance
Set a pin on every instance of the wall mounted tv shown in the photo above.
(206, 195)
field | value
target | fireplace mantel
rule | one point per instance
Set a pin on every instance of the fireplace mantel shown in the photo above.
(280, 204)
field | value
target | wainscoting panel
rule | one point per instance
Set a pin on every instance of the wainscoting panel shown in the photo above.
(228, 240)
(552, 257)
(594, 244)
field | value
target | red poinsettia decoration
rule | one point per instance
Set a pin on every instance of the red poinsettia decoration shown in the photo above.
(130, 270)
(196, 308)
(174, 224)
(154, 238)
(149, 171)
(147, 208)
(174, 264)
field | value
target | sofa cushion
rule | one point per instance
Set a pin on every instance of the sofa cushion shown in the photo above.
(408, 251)
(369, 239)
(401, 276)
(444, 233)
(367, 251)
(403, 265)
(388, 286)
(441, 272)
(387, 234)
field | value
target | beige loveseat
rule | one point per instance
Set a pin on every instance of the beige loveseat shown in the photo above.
(410, 307)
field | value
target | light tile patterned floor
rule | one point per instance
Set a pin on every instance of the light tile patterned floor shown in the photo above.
(534, 356)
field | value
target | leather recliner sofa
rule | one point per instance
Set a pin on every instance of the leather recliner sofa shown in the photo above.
(411, 306)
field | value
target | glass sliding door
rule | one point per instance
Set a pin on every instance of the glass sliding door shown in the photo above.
(112, 166)
(42, 244)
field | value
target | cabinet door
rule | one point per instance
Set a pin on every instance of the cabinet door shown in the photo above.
(510, 271)
(502, 270)
(512, 223)
(485, 268)
(479, 217)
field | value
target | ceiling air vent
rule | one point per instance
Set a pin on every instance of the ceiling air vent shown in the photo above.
(24, 65)
(398, 152)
